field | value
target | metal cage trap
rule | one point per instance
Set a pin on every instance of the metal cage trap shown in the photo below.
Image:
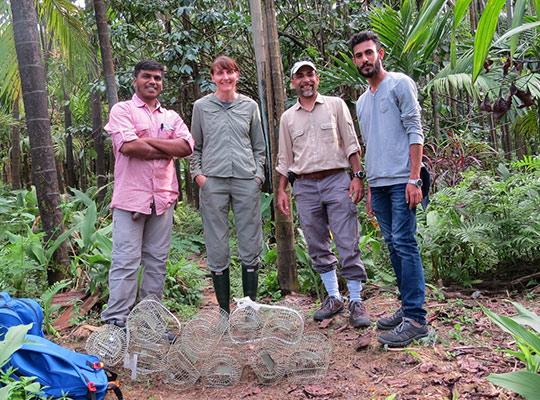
(309, 359)
(151, 329)
(109, 344)
(201, 335)
(251, 322)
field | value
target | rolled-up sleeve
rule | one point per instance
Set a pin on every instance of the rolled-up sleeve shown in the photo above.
(406, 93)
(285, 154)
(181, 131)
(120, 125)
(195, 160)
(346, 129)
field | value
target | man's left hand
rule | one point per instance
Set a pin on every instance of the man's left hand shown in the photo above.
(413, 195)
(356, 190)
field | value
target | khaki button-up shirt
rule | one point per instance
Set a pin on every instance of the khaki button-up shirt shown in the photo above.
(316, 140)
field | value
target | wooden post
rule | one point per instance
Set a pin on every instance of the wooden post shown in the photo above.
(270, 81)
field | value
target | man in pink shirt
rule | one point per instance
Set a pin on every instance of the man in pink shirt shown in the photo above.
(146, 139)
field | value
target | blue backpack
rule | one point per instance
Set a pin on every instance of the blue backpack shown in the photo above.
(20, 312)
(62, 371)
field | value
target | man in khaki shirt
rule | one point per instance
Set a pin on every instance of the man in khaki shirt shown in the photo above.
(317, 144)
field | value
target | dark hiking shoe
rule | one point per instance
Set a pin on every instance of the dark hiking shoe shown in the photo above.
(330, 307)
(390, 322)
(404, 333)
(358, 315)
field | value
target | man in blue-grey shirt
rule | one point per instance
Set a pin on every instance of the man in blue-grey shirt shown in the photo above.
(389, 117)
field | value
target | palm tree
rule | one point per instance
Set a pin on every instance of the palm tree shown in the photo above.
(34, 91)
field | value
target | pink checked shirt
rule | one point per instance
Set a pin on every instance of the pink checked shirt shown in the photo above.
(139, 183)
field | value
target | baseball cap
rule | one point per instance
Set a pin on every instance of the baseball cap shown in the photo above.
(299, 64)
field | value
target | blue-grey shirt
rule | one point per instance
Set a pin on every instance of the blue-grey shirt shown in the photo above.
(390, 122)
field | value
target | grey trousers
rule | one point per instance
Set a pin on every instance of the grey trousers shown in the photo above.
(217, 196)
(323, 206)
(145, 241)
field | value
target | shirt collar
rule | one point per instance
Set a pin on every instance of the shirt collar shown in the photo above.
(139, 103)
(298, 106)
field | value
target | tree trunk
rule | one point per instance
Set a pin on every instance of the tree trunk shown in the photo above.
(99, 145)
(34, 91)
(435, 114)
(71, 179)
(15, 153)
(270, 74)
(106, 52)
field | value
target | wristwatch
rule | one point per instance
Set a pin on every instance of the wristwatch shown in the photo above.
(416, 182)
(359, 174)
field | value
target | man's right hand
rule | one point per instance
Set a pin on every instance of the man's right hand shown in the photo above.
(200, 180)
(282, 199)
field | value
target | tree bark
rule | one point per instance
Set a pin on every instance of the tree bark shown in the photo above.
(34, 91)
(436, 115)
(71, 179)
(270, 76)
(15, 153)
(99, 145)
(106, 52)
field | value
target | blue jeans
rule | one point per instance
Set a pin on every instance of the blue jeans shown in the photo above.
(398, 226)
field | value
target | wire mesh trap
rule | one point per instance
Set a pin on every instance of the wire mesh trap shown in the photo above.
(109, 344)
(252, 321)
(178, 368)
(269, 360)
(309, 359)
(222, 368)
(151, 329)
(201, 335)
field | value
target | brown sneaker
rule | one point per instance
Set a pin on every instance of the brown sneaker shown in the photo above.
(358, 315)
(330, 307)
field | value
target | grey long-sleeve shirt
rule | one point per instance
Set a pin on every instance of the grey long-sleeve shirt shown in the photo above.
(229, 141)
(389, 122)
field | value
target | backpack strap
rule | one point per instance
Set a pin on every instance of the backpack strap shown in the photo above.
(113, 385)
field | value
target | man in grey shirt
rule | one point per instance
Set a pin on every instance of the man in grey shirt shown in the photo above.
(389, 117)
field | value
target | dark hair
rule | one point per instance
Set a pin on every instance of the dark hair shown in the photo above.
(364, 36)
(224, 62)
(148, 65)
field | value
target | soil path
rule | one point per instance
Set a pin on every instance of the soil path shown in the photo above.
(453, 364)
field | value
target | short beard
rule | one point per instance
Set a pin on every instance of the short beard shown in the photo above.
(309, 92)
(375, 71)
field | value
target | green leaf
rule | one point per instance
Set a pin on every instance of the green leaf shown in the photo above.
(484, 34)
(423, 23)
(515, 329)
(14, 339)
(526, 317)
(525, 383)
(460, 8)
(537, 8)
(517, 20)
(517, 31)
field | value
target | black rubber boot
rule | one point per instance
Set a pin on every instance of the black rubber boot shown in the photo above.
(250, 281)
(222, 288)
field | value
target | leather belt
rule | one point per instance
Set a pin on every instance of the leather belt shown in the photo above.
(320, 174)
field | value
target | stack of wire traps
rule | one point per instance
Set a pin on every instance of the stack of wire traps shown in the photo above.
(109, 344)
(309, 359)
(213, 348)
(151, 330)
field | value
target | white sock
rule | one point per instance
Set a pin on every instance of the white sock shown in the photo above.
(355, 288)
(330, 283)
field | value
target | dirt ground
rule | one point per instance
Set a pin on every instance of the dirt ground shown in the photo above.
(453, 363)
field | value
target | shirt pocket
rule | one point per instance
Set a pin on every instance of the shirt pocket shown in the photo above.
(298, 136)
(142, 130)
(328, 132)
(384, 104)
